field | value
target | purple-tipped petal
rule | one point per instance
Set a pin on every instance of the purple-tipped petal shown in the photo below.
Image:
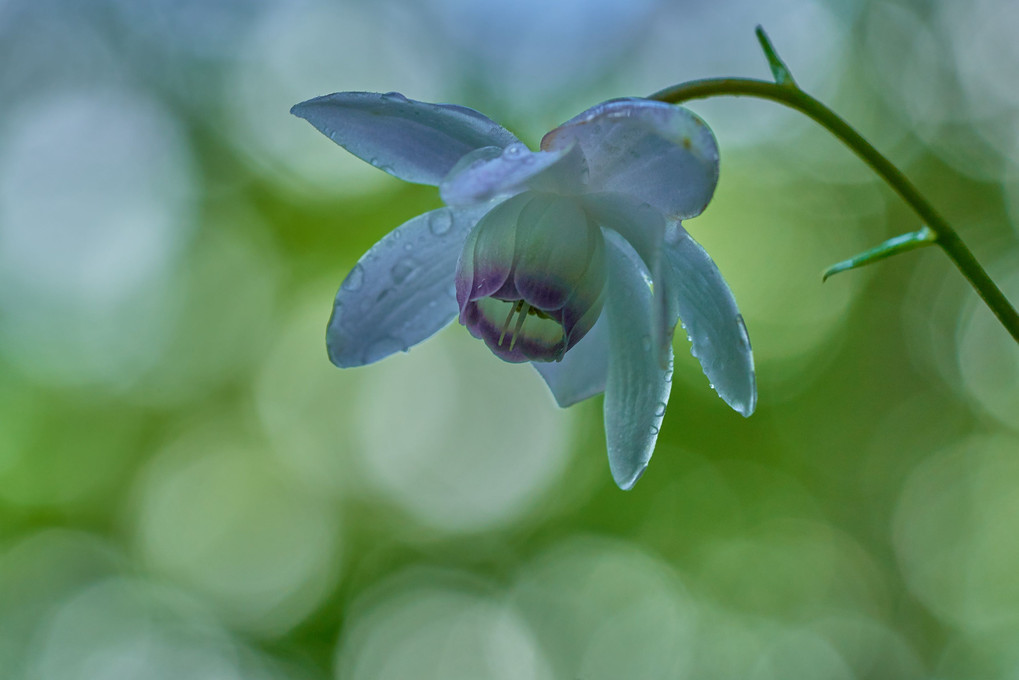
(718, 336)
(658, 153)
(401, 291)
(637, 387)
(581, 374)
(415, 141)
(486, 262)
(531, 277)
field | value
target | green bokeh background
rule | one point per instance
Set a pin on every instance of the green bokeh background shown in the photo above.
(188, 489)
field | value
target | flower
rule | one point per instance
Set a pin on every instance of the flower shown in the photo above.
(572, 257)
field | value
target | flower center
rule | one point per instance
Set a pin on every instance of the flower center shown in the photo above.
(522, 310)
(530, 278)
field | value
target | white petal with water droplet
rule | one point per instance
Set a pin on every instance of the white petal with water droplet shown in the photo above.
(718, 335)
(491, 172)
(415, 141)
(393, 298)
(637, 386)
(661, 154)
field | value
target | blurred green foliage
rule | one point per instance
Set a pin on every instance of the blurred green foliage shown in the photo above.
(189, 489)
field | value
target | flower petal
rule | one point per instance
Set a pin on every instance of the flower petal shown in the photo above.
(401, 291)
(637, 387)
(491, 172)
(581, 374)
(659, 153)
(718, 336)
(415, 141)
(488, 253)
(555, 247)
(643, 227)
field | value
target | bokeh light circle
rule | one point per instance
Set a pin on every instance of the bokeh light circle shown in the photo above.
(460, 439)
(988, 356)
(224, 297)
(605, 609)
(215, 513)
(954, 532)
(305, 48)
(134, 630)
(39, 571)
(430, 624)
(692, 40)
(96, 201)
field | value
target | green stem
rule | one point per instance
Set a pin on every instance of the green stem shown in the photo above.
(797, 99)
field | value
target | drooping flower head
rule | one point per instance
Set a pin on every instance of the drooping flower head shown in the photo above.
(572, 257)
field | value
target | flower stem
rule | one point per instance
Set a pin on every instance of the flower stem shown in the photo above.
(798, 100)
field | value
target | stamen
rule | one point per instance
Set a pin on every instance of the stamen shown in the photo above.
(505, 324)
(525, 308)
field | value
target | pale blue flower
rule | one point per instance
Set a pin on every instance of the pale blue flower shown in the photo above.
(572, 257)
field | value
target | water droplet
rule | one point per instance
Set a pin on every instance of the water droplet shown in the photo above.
(440, 222)
(654, 430)
(660, 409)
(668, 376)
(355, 279)
(402, 270)
(645, 342)
(395, 97)
(514, 150)
(744, 335)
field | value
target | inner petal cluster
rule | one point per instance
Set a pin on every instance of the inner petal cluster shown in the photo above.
(531, 277)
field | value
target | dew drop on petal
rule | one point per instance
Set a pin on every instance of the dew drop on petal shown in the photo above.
(654, 430)
(744, 335)
(660, 409)
(355, 279)
(395, 97)
(514, 150)
(440, 222)
(402, 270)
